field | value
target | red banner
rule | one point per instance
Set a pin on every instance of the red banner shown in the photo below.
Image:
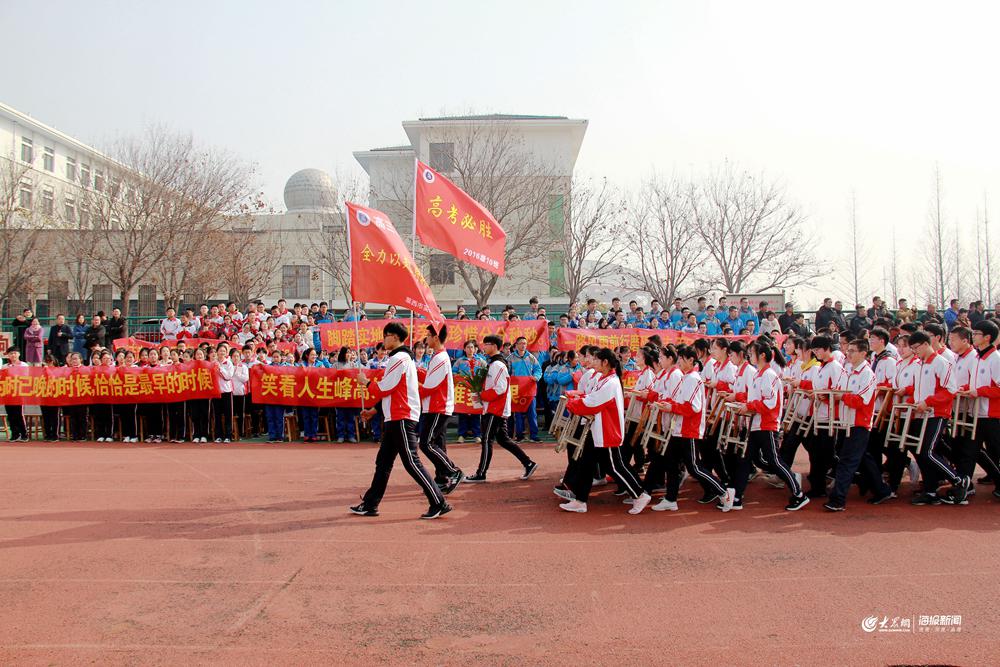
(450, 220)
(41, 385)
(329, 388)
(382, 269)
(334, 335)
(574, 339)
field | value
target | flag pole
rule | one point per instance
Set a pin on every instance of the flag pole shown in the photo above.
(353, 307)
(413, 235)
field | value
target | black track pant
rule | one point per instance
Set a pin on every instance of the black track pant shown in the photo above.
(104, 420)
(199, 417)
(683, 451)
(495, 429)
(987, 443)
(711, 458)
(611, 462)
(177, 415)
(130, 420)
(762, 446)
(933, 466)
(223, 409)
(432, 427)
(77, 421)
(856, 456)
(50, 422)
(15, 422)
(399, 438)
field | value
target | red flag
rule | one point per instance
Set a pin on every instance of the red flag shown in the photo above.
(382, 269)
(448, 219)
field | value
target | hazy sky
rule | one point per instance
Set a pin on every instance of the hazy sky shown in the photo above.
(829, 97)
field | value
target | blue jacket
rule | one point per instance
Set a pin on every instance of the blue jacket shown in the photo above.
(736, 324)
(524, 366)
(565, 376)
(747, 315)
(553, 390)
(713, 326)
(79, 338)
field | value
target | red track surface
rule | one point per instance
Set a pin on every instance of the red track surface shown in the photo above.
(245, 554)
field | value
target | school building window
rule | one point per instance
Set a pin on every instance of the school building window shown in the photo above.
(442, 270)
(557, 273)
(442, 157)
(295, 282)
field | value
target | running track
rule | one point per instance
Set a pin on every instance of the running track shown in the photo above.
(245, 554)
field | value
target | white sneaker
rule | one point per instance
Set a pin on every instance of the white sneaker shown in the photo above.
(665, 505)
(564, 494)
(600, 482)
(100, 440)
(574, 506)
(640, 503)
(727, 500)
(478, 440)
(461, 440)
(218, 439)
(226, 440)
(340, 441)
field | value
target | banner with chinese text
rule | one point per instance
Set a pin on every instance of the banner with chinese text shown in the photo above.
(334, 335)
(41, 385)
(574, 339)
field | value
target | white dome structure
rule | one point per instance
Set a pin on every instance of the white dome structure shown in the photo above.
(310, 190)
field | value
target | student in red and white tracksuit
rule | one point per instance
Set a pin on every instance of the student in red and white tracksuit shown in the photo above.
(859, 408)
(399, 392)
(667, 380)
(496, 409)
(605, 404)
(963, 448)
(907, 369)
(437, 402)
(985, 388)
(764, 400)
(635, 454)
(720, 376)
(934, 393)
(828, 377)
(573, 468)
(687, 404)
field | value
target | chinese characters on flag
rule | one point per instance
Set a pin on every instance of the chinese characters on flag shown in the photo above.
(382, 270)
(448, 219)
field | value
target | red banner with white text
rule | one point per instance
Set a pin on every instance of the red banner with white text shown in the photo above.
(85, 385)
(296, 386)
(334, 335)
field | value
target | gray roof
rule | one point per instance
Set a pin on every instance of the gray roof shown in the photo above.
(405, 147)
(498, 116)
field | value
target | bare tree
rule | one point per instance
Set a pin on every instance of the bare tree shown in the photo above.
(752, 232)
(492, 162)
(859, 256)
(894, 271)
(592, 225)
(668, 252)
(248, 265)
(161, 188)
(936, 250)
(24, 243)
(986, 251)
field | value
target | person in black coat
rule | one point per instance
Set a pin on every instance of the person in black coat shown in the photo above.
(787, 318)
(60, 338)
(18, 325)
(95, 335)
(115, 327)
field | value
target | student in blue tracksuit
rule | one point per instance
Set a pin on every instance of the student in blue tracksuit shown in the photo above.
(468, 425)
(309, 415)
(524, 364)
(275, 414)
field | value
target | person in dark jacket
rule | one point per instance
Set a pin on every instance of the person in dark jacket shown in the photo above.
(114, 327)
(860, 321)
(94, 337)
(838, 315)
(60, 337)
(824, 315)
(787, 318)
(18, 325)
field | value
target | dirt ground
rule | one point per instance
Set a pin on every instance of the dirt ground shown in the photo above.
(246, 554)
